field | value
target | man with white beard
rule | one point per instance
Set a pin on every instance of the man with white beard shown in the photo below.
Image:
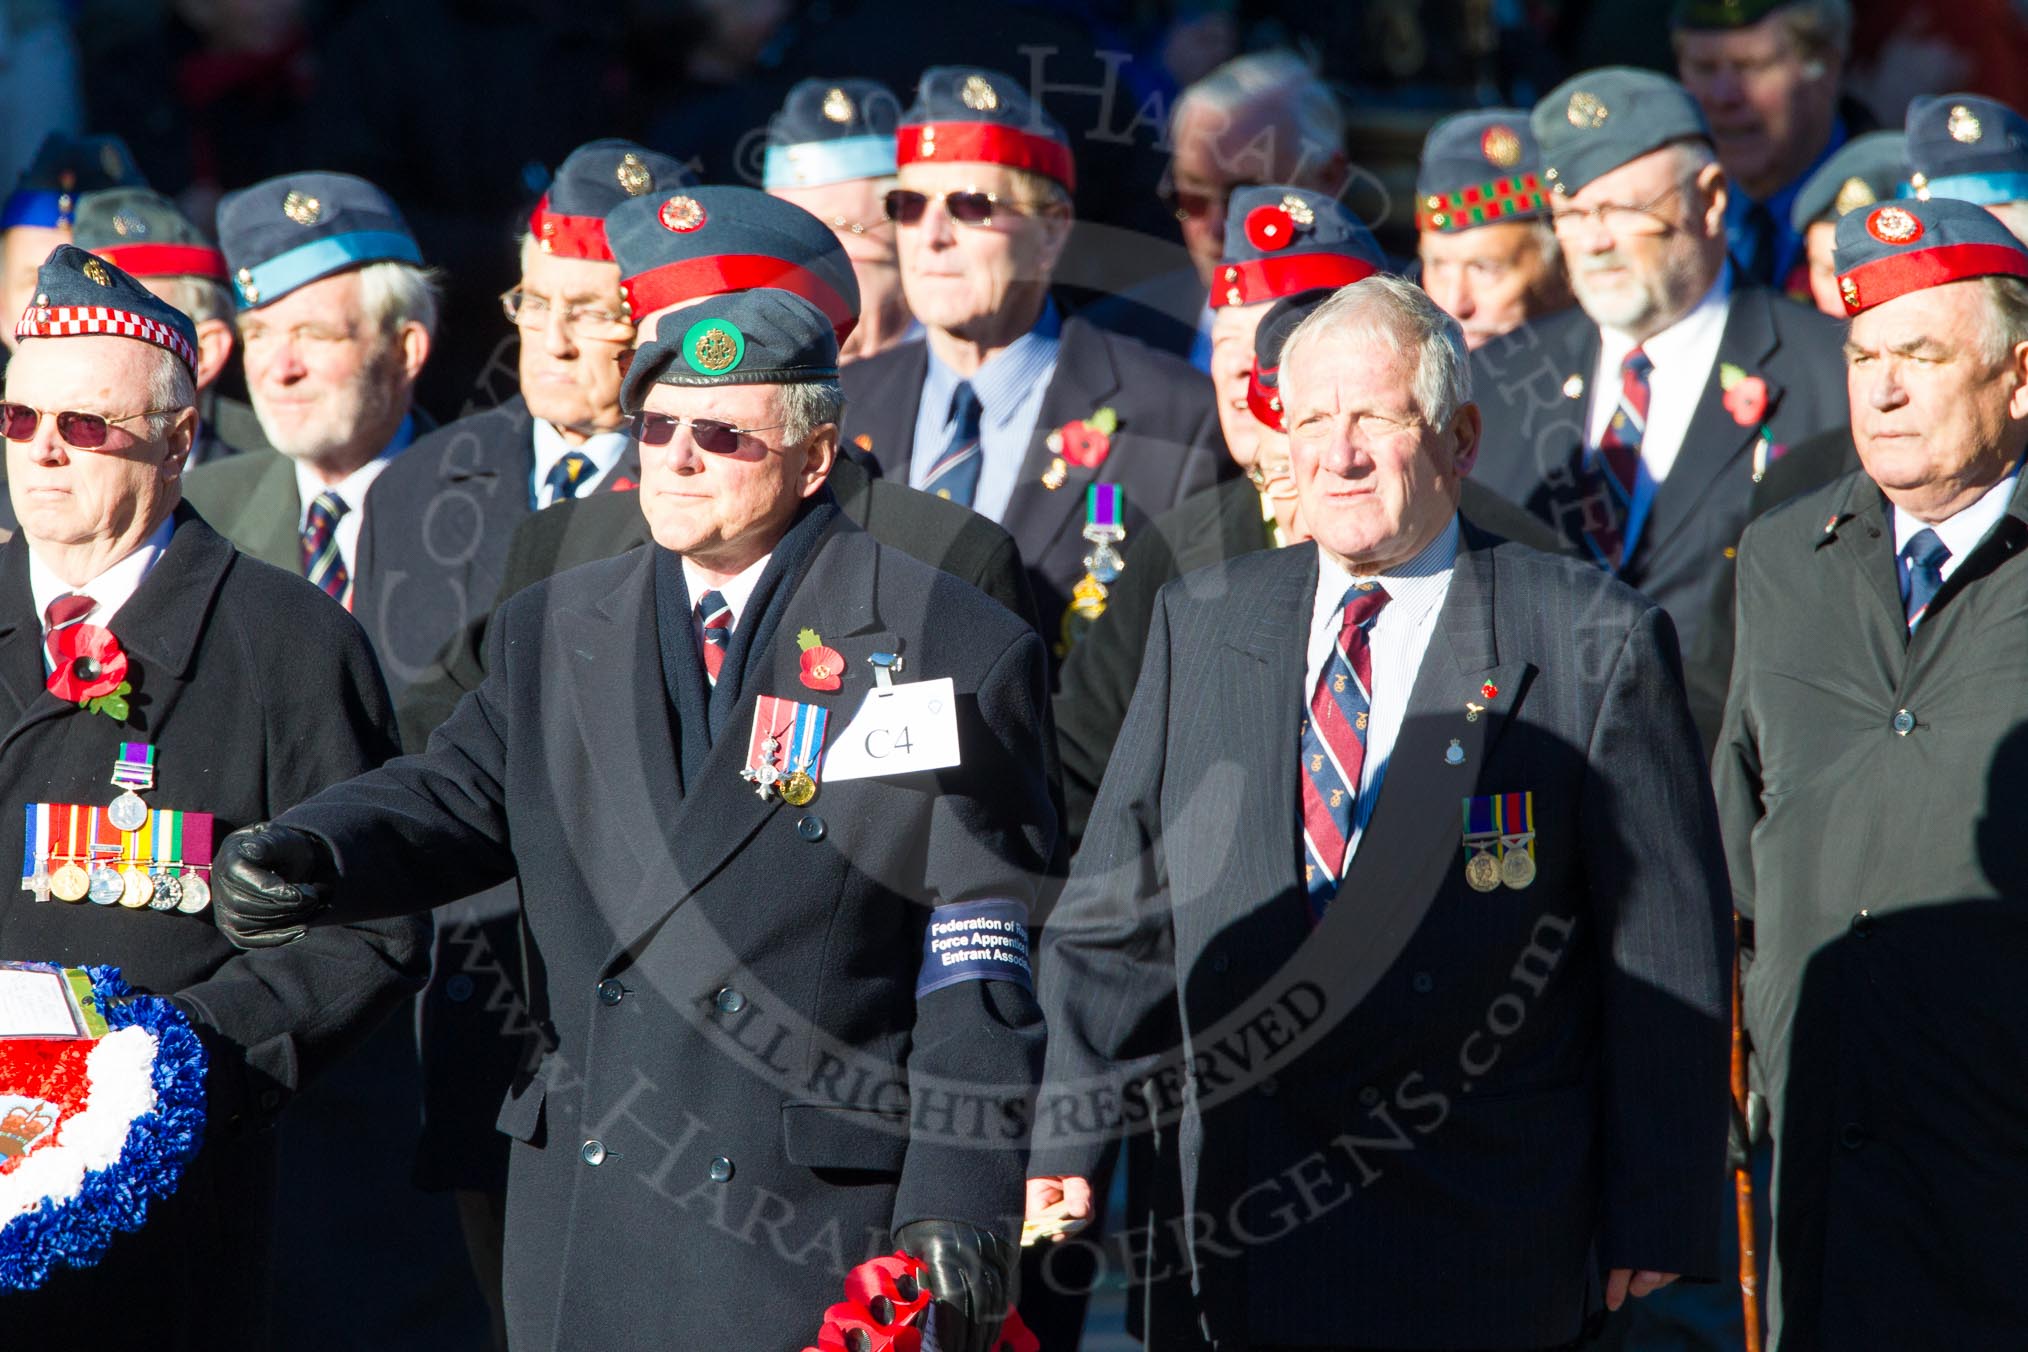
(1638, 423)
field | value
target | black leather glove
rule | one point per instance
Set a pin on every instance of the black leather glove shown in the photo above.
(269, 882)
(971, 1275)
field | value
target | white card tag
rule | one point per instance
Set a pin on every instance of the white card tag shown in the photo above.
(897, 731)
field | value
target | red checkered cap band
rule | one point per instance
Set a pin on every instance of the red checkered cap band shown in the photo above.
(572, 236)
(167, 260)
(1285, 275)
(986, 143)
(1884, 279)
(76, 321)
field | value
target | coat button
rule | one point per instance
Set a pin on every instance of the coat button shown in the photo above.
(593, 1153)
(458, 989)
(1369, 1097)
(1853, 1136)
(1862, 924)
(611, 992)
(1220, 963)
(1421, 983)
(811, 828)
(721, 1169)
(1904, 722)
(730, 1001)
(1269, 1087)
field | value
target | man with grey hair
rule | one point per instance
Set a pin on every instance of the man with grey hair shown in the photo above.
(336, 318)
(1436, 903)
(1637, 423)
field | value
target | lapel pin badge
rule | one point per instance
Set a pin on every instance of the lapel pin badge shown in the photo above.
(1472, 711)
(1455, 753)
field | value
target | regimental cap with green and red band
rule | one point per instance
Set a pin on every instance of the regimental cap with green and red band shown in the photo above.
(1480, 168)
(65, 168)
(760, 337)
(145, 234)
(969, 115)
(1598, 120)
(284, 233)
(1906, 246)
(78, 294)
(1966, 146)
(1280, 240)
(570, 220)
(706, 241)
(1264, 383)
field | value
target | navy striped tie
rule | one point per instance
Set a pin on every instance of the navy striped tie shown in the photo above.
(1922, 573)
(322, 563)
(568, 476)
(715, 617)
(955, 475)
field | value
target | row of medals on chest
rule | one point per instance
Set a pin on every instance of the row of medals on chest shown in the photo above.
(160, 887)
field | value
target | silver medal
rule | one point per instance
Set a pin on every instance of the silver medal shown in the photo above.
(168, 890)
(128, 812)
(107, 886)
(196, 894)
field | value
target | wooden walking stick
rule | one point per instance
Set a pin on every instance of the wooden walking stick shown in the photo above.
(1742, 1161)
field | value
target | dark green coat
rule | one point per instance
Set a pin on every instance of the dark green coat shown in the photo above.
(1873, 788)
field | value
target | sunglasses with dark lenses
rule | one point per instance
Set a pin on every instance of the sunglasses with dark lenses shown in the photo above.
(720, 438)
(905, 206)
(83, 431)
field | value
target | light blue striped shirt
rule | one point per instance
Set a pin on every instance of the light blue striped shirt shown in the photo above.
(1010, 387)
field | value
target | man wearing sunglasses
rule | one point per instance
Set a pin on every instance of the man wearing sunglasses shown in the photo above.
(1637, 423)
(250, 692)
(677, 903)
(1008, 407)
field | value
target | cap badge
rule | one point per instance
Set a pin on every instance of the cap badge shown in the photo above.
(127, 227)
(633, 175)
(1500, 146)
(713, 346)
(1892, 225)
(1585, 112)
(1963, 125)
(96, 271)
(978, 94)
(1299, 210)
(1849, 289)
(838, 106)
(302, 208)
(1853, 194)
(681, 214)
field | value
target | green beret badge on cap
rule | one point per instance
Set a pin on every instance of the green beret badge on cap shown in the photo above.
(714, 346)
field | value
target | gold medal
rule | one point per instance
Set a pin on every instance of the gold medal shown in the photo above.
(797, 788)
(1482, 871)
(1517, 870)
(139, 887)
(70, 883)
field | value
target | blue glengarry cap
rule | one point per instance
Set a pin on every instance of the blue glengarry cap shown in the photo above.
(78, 294)
(570, 220)
(831, 131)
(1594, 122)
(763, 337)
(287, 232)
(66, 167)
(1282, 239)
(1865, 170)
(1480, 168)
(1966, 146)
(969, 115)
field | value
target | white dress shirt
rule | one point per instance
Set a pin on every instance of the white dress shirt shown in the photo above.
(737, 591)
(109, 591)
(1397, 640)
(1683, 354)
(603, 449)
(1961, 532)
(352, 491)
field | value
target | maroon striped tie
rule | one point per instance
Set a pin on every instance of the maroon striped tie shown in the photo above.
(63, 612)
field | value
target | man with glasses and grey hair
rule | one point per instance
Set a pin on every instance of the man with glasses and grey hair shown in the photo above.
(1420, 940)
(1637, 423)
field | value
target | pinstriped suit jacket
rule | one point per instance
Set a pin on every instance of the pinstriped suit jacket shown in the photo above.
(1438, 1117)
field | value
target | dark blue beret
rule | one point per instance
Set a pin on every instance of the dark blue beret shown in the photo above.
(287, 232)
(1594, 122)
(145, 234)
(829, 131)
(703, 241)
(761, 337)
(966, 115)
(593, 179)
(1908, 245)
(1966, 146)
(1480, 169)
(1280, 240)
(77, 293)
(64, 168)
(1865, 170)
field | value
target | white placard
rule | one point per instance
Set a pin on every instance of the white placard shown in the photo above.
(899, 730)
(35, 1003)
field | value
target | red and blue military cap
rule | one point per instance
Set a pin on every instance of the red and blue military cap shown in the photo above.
(1281, 240)
(145, 234)
(1598, 120)
(1907, 245)
(1966, 146)
(712, 239)
(570, 220)
(78, 294)
(966, 115)
(286, 232)
(66, 167)
(1480, 168)
(831, 131)
(759, 337)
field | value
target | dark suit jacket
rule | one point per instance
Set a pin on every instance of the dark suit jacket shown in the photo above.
(1168, 445)
(1210, 527)
(1536, 433)
(1161, 312)
(725, 978)
(435, 536)
(243, 727)
(1437, 1118)
(1885, 876)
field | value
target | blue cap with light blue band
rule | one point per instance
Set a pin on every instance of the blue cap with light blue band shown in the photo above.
(816, 163)
(64, 169)
(831, 131)
(287, 232)
(1966, 147)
